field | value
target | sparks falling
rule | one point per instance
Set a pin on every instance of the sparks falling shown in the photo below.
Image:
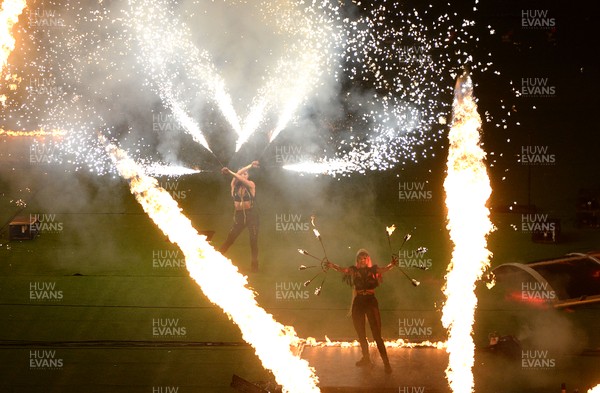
(468, 189)
(288, 82)
(397, 63)
(271, 340)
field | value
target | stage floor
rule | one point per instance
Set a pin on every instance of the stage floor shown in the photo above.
(420, 370)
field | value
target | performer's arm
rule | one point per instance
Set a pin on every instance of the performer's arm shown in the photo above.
(389, 266)
(335, 267)
(237, 176)
(253, 164)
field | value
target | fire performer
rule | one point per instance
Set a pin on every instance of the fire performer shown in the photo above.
(243, 192)
(365, 277)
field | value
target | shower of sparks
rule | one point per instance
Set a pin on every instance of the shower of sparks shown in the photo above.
(170, 170)
(183, 74)
(90, 66)
(271, 340)
(468, 189)
(409, 67)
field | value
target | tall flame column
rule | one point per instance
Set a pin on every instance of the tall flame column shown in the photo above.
(467, 188)
(220, 280)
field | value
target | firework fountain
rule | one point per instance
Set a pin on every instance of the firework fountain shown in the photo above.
(467, 187)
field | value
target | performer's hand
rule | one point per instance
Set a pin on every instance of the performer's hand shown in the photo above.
(255, 164)
(395, 260)
(225, 171)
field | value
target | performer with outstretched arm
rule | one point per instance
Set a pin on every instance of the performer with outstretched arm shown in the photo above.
(365, 277)
(243, 192)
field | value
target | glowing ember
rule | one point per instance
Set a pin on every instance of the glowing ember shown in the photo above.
(271, 340)
(390, 230)
(467, 189)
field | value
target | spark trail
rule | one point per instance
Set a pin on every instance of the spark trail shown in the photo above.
(468, 189)
(271, 340)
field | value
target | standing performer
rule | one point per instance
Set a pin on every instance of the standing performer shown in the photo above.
(243, 192)
(365, 277)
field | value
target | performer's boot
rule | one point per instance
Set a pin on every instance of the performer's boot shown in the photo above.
(384, 356)
(366, 359)
(386, 362)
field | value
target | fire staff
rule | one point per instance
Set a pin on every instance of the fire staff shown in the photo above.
(365, 277)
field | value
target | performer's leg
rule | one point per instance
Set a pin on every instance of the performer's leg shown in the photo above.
(374, 317)
(358, 319)
(234, 232)
(252, 222)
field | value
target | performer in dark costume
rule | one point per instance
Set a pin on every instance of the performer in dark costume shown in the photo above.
(243, 192)
(365, 277)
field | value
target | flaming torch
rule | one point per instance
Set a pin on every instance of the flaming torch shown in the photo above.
(389, 231)
(407, 237)
(323, 264)
(271, 340)
(467, 187)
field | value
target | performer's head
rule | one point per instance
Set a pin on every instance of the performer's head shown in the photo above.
(363, 259)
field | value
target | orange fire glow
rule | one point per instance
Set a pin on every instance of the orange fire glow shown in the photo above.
(272, 341)
(400, 343)
(9, 16)
(468, 189)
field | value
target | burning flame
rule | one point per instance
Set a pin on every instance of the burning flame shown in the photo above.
(271, 340)
(467, 189)
(390, 230)
(9, 16)
(595, 389)
(400, 343)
